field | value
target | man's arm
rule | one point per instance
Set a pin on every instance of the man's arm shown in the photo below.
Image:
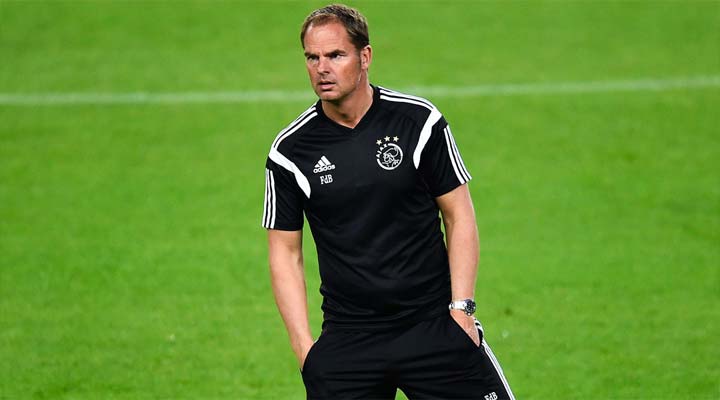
(463, 251)
(288, 284)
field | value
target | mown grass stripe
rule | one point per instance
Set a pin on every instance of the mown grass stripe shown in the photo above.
(280, 96)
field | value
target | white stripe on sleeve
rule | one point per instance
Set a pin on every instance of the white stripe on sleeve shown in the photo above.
(273, 201)
(269, 210)
(452, 158)
(461, 165)
(266, 204)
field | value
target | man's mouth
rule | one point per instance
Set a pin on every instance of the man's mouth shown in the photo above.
(325, 85)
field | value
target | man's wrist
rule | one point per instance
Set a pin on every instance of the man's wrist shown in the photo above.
(460, 314)
(302, 342)
(466, 305)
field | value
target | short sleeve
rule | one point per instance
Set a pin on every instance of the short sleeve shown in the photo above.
(283, 207)
(441, 165)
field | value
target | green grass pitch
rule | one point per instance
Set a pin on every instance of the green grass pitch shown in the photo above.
(133, 264)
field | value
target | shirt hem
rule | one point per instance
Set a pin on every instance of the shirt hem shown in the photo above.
(384, 326)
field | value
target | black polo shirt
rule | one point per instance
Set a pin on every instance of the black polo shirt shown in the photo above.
(368, 194)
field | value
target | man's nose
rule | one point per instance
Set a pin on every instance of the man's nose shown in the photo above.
(323, 65)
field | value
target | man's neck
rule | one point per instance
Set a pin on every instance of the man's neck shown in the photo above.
(350, 111)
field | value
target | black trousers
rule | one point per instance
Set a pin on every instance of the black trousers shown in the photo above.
(433, 359)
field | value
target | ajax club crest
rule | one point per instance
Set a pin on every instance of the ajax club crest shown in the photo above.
(389, 154)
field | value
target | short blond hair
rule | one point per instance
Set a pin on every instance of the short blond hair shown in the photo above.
(354, 22)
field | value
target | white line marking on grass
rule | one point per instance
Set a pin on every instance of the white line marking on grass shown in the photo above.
(269, 96)
(639, 85)
(280, 96)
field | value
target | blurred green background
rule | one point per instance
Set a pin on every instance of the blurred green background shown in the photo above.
(133, 264)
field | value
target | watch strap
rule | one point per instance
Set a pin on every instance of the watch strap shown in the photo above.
(466, 305)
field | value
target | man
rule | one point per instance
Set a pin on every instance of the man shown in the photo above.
(371, 169)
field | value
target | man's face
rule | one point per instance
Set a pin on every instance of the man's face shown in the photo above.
(334, 64)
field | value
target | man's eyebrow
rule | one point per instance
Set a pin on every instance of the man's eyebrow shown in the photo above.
(329, 53)
(334, 52)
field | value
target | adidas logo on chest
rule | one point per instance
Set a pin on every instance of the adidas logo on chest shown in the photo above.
(323, 165)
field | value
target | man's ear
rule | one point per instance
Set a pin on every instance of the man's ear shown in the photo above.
(366, 57)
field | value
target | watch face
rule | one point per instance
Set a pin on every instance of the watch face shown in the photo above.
(469, 307)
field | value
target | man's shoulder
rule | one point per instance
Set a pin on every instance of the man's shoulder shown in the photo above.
(287, 135)
(415, 107)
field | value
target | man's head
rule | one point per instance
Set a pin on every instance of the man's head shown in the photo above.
(350, 18)
(337, 52)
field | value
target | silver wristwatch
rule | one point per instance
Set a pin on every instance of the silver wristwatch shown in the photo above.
(467, 305)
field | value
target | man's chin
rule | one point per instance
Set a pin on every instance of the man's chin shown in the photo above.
(327, 95)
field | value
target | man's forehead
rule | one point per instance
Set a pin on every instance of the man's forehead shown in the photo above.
(331, 35)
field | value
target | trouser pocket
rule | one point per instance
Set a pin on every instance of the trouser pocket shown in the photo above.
(309, 356)
(312, 355)
(459, 331)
